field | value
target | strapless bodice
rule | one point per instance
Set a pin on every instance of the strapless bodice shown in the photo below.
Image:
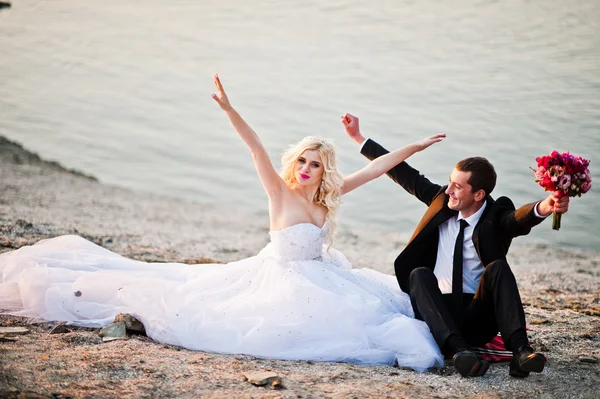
(303, 241)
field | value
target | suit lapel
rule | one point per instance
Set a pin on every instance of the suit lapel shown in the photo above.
(437, 213)
(488, 206)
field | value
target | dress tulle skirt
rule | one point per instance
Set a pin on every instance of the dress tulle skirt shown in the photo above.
(312, 309)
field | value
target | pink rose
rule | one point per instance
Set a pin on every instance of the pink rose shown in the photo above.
(585, 187)
(564, 182)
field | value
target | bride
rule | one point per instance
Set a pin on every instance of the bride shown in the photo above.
(297, 299)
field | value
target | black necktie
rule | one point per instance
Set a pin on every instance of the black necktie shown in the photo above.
(457, 269)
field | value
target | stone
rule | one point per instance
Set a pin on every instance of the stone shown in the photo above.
(60, 328)
(588, 359)
(262, 378)
(540, 321)
(277, 384)
(131, 323)
(31, 395)
(113, 332)
(4, 338)
(11, 331)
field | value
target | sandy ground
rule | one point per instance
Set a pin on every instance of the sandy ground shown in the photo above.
(38, 199)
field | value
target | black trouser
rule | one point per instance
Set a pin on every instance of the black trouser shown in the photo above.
(496, 306)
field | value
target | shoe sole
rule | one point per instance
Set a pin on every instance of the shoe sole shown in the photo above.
(518, 374)
(533, 363)
(466, 365)
(483, 368)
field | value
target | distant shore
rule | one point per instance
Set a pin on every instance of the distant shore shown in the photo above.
(41, 199)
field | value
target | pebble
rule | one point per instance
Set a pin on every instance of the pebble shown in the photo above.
(59, 329)
(10, 331)
(113, 332)
(4, 338)
(588, 359)
(263, 378)
(131, 323)
(31, 395)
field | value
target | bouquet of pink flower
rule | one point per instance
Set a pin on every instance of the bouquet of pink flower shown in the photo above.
(565, 174)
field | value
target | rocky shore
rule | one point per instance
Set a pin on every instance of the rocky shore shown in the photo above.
(39, 199)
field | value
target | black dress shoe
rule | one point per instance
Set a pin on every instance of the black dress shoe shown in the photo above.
(525, 361)
(468, 364)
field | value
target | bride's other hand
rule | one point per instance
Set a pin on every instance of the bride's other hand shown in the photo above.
(422, 144)
(221, 98)
(350, 123)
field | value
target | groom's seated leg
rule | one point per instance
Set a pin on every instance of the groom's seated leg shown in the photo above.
(479, 326)
(498, 295)
(433, 307)
(430, 305)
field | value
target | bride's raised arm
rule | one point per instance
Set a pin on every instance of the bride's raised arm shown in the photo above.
(382, 164)
(269, 177)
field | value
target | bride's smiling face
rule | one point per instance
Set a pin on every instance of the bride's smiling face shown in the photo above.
(309, 168)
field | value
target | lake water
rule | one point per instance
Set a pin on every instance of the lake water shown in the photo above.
(121, 90)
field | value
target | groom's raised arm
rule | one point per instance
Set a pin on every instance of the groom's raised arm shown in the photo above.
(403, 174)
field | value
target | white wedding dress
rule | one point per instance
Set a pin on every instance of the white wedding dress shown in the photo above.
(294, 300)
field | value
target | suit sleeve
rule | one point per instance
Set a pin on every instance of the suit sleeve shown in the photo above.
(517, 222)
(403, 174)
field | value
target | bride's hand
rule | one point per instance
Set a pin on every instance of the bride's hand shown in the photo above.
(221, 98)
(430, 140)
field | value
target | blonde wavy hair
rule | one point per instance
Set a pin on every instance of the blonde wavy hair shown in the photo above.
(330, 188)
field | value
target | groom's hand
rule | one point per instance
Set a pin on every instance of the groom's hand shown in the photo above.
(350, 123)
(553, 203)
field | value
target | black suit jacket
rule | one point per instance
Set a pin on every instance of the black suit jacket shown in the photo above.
(498, 225)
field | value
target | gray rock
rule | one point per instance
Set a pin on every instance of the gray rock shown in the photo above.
(131, 323)
(261, 378)
(31, 395)
(4, 338)
(588, 359)
(11, 331)
(113, 332)
(60, 328)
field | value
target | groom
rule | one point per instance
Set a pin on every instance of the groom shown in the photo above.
(454, 266)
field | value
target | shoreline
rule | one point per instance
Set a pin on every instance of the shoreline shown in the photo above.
(41, 199)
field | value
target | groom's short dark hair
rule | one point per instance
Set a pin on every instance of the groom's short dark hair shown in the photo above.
(483, 175)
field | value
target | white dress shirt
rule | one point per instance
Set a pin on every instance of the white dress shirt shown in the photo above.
(472, 266)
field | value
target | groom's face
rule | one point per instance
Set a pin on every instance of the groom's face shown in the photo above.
(460, 191)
